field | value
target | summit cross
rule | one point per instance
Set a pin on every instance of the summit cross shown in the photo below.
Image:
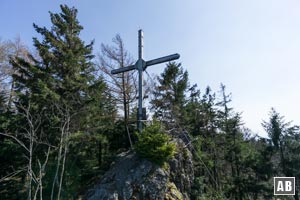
(141, 66)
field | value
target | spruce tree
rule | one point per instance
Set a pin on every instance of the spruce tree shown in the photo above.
(285, 146)
(60, 87)
(62, 76)
(66, 58)
(169, 95)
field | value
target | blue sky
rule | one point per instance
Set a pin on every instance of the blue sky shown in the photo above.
(250, 46)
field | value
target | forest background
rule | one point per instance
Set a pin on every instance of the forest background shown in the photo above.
(64, 118)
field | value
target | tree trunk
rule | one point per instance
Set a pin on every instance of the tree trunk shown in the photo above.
(58, 164)
(30, 167)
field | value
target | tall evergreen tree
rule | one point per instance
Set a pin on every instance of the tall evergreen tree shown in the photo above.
(230, 125)
(285, 146)
(60, 85)
(63, 74)
(170, 95)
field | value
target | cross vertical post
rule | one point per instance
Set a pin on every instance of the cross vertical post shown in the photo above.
(141, 66)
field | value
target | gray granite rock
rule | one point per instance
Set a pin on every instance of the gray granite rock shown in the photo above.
(132, 177)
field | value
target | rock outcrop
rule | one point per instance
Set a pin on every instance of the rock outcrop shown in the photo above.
(132, 177)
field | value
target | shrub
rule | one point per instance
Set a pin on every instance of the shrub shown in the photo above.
(154, 145)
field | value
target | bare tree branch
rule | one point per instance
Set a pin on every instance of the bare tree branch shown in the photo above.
(15, 139)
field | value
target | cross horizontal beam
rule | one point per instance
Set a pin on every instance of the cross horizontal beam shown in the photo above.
(123, 69)
(148, 63)
(162, 59)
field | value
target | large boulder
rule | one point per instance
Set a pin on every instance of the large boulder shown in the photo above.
(132, 177)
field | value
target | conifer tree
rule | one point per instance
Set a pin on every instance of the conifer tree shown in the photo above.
(63, 73)
(285, 146)
(169, 95)
(60, 85)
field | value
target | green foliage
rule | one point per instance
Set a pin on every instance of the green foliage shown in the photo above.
(72, 108)
(228, 161)
(169, 95)
(63, 97)
(11, 158)
(88, 156)
(155, 145)
(117, 137)
(275, 127)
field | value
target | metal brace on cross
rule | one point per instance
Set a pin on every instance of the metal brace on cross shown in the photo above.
(141, 66)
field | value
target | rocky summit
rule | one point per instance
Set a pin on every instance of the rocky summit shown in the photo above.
(132, 177)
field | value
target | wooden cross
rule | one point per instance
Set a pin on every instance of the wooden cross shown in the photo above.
(141, 66)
